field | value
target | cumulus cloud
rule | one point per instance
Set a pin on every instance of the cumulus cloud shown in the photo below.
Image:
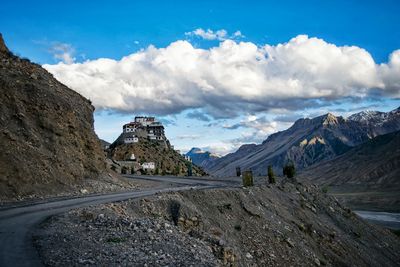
(232, 78)
(63, 52)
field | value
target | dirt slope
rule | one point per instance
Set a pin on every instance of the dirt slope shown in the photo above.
(46, 132)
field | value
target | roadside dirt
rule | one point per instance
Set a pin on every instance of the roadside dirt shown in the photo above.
(288, 224)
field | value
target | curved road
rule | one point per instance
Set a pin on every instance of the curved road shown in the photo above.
(17, 223)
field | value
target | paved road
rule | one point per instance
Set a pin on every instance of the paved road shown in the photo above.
(17, 223)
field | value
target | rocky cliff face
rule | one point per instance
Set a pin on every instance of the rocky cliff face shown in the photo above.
(307, 142)
(46, 132)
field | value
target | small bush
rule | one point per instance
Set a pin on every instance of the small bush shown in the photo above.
(289, 170)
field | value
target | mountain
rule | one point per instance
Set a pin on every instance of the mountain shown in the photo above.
(200, 157)
(307, 142)
(370, 172)
(46, 132)
(373, 164)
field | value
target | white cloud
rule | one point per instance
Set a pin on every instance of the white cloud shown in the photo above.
(232, 78)
(220, 35)
(209, 34)
(63, 52)
(238, 34)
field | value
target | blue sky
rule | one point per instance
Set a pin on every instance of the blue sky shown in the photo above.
(49, 32)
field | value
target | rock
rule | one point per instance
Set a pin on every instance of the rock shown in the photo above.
(313, 209)
(249, 256)
(289, 242)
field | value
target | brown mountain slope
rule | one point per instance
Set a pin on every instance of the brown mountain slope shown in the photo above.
(374, 164)
(46, 132)
(368, 173)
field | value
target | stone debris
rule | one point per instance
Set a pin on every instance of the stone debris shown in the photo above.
(201, 228)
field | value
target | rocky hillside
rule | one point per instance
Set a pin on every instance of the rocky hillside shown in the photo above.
(370, 171)
(200, 157)
(166, 159)
(307, 142)
(285, 225)
(46, 132)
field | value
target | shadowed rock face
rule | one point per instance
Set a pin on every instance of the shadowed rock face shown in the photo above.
(307, 142)
(46, 132)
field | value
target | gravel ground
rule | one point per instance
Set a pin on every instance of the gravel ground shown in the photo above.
(101, 237)
(288, 224)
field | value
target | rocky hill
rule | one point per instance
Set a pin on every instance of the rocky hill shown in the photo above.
(200, 157)
(166, 159)
(288, 224)
(307, 142)
(46, 132)
(368, 173)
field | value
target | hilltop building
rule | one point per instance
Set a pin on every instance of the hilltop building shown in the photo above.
(144, 127)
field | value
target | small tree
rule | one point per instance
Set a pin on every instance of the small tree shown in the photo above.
(271, 175)
(289, 170)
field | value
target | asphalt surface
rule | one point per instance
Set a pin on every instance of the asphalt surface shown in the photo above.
(18, 223)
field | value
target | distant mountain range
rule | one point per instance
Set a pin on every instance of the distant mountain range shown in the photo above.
(308, 142)
(200, 157)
